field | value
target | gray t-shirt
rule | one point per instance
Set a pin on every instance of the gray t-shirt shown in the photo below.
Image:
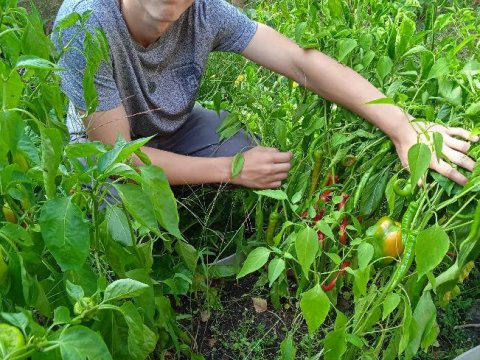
(156, 85)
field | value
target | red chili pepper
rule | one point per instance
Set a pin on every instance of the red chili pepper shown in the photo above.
(451, 254)
(321, 237)
(342, 230)
(333, 282)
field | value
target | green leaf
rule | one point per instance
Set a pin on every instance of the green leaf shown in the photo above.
(406, 32)
(325, 229)
(123, 289)
(373, 192)
(365, 254)
(439, 69)
(306, 248)
(138, 205)
(388, 101)
(335, 8)
(345, 47)
(335, 344)
(188, 254)
(424, 317)
(384, 67)
(52, 147)
(430, 249)
(65, 233)
(35, 62)
(414, 50)
(275, 269)
(438, 144)
(81, 343)
(389, 304)
(141, 340)
(74, 291)
(255, 260)
(230, 125)
(473, 110)
(273, 194)
(121, 151)
(315, 306)
(61, 315)
(419, 157)
(12, 128)
(155, 184)
(237, 165)
(90, 148)
(287, 348)
(117, 226)
(11, 90)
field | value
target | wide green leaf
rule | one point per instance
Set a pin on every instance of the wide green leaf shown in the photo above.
(237, 165)
(373, 193)
(141, 340)
(406, 32)
(315, 306)
(473, 110)
(275, 269)
(117, 226)
(288, 350)
(439, 69)
(65, 232)
(345, 47)
(390, 304)
(12, 128)
(306, 248)
(424, 317)
(35, 62)
(384, 67)
(139, 205)
(419, 157)
(255, 260)
(155, 184)
(365, 254)
(188, 254)
(430, 249)
(81, 343)
(273, 194)
(123, 289)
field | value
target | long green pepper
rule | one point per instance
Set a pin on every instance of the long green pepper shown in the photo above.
(409, 240)
(272, 223)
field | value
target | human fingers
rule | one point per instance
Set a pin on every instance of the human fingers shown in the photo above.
(456, 144)
(461, 132)
(282, 157)
(281, 167)
(273, 184)
(460, 159)
(448, 171)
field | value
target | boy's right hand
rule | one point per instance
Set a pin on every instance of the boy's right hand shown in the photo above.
(264, 168)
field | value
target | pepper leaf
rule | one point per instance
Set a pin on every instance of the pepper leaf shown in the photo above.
(419, 157)
(237, 165)
(315, 306)
(431, 247)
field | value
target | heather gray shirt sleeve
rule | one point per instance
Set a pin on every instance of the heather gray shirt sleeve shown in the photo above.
(234, 30)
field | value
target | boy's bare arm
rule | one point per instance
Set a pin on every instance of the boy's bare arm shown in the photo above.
(264, 167)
